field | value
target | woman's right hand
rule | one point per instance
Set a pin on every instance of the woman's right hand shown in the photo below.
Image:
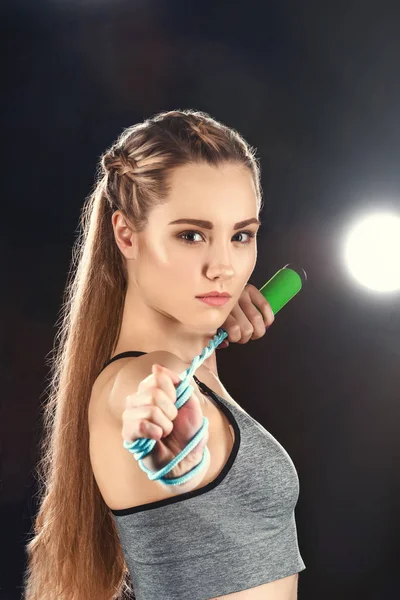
(151, 413)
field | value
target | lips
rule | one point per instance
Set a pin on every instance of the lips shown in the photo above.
(215, 295)
(214, 300)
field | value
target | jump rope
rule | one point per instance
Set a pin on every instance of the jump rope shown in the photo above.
(278, 291)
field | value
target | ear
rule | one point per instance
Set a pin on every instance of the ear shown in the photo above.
(125, 238)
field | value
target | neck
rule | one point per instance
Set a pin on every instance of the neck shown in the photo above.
(211, 363)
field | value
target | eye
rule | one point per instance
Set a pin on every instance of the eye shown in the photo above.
(190, 232)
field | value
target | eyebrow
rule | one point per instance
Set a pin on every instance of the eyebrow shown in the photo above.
(209, 225)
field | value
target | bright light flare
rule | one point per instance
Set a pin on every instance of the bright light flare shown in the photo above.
(372, 252)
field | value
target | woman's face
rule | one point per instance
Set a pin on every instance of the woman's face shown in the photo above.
(176, 262)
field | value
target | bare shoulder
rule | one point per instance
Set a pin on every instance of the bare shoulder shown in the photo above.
(132, 372)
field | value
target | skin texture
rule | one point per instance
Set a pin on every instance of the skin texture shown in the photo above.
(165, 274)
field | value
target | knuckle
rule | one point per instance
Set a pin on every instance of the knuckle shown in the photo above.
(157, 394)
(130, 400)
(145, 382)
(270, 316)
(236, 333)
(142, 426)
(127, 414)
(155, 411)
(169, 412)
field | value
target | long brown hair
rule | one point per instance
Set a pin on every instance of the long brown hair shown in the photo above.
(75, 552)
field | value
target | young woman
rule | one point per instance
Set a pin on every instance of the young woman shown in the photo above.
(173, 217)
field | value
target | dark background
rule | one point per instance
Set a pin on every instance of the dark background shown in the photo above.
(315, 87)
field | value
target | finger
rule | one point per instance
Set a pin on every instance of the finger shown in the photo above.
(164, 394)
(175, 377)
(159, 417)
(161, 394)
(267, 313)
(133, 419)
(250, 321)
(261, 304)
(244, 321)
(256, 320)
(149, 381)
(223, 344)
(150, 430)
(232, 327)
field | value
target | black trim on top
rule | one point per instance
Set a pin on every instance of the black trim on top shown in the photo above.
(228, 465)
(122, 355)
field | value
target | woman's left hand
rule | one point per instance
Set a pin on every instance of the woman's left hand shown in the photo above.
(245, 322)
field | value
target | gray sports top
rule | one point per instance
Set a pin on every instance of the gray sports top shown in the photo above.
(235, 533)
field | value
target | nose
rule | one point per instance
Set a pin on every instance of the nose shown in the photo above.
(220, 271)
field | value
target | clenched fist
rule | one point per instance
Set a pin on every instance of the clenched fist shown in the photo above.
(151, 413)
